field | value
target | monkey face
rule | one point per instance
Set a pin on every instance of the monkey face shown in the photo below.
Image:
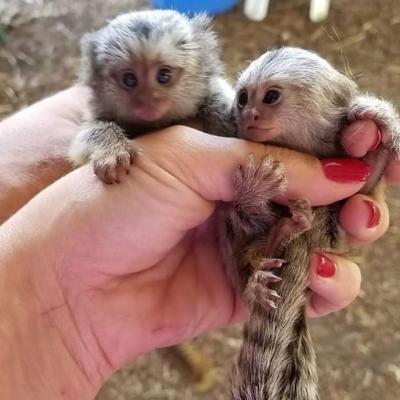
(145, 90)
(150, 67)
(259, 110)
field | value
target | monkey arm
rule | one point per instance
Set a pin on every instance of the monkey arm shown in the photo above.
(106, 145)
(216, 113)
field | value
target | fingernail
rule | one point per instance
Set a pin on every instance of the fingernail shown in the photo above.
(345, 170)
(378, 140)
(374, 214)
(326, 268)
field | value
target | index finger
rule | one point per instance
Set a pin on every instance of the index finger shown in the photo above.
(320, 181)
(207, 164)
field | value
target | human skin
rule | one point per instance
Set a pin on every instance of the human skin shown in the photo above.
(91, 276)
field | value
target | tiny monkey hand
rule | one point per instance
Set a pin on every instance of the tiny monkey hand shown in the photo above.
(103, 274)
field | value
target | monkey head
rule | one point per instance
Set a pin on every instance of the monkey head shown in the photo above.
(292, 97)
(148, 67)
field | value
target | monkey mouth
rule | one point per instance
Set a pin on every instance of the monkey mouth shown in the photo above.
(147, 112)
(258, 133)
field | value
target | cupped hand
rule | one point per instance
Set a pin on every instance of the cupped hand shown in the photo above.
(136, 265)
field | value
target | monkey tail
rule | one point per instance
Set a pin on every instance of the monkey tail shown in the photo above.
(277, 360)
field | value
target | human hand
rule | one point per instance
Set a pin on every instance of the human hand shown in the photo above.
(136, 266)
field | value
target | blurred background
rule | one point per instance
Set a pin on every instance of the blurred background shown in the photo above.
(358, 348)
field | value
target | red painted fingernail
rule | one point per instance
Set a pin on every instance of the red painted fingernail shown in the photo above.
(346, 170)
(378, 140)
(326, 268)
(374, 216)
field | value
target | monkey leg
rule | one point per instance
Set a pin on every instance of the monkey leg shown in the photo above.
(257, 254)
(249, 215)
(105, 144)
(289, 228)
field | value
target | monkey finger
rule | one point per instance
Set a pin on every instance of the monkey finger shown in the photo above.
(335, 283)
(364, 219)
(360, 137)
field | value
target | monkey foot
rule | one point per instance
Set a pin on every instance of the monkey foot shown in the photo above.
(302, 215)
(256, 183)
(289, 228)
(267, 264)
(258, 291)
(111, 168)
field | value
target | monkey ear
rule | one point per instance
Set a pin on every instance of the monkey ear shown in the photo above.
(203, 34)
(201, 22)
(206, 41)
(89, 47)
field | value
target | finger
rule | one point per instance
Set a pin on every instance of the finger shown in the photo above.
(207, 163)
(361, 137)
(335, 283)
(364, 219)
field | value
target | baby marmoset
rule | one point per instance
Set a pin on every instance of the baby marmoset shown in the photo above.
(292, 98)
(148, 70)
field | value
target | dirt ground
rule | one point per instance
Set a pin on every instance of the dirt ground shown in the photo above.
(358, 348)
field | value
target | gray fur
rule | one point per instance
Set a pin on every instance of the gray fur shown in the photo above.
(277, 360)
(250, 214)
(315, 97)
(162, 37)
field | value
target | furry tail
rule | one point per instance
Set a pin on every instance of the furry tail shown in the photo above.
(277, 360)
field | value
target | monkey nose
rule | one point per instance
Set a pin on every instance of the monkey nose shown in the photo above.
(251, 114)
(255, 114)
(156, 95)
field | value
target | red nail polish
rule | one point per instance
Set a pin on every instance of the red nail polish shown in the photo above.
(346, 170)
(326, 268)
(374, 216)
(378, 140)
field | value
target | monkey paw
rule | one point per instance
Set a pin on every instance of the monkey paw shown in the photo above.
(289, 228)
(111, 167)
(385, 116)
(256, 183)
(302, 215)
(258, 292)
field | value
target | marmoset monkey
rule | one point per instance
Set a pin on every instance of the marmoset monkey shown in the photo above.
(148, 70)
(292, 98)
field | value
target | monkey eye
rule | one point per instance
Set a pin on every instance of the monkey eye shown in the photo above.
(164, 75)
(272, 96)
(129, 80)
(242, 99)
